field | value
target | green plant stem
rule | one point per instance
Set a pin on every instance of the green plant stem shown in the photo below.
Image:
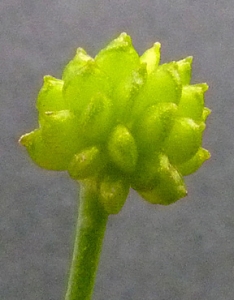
(91, 225)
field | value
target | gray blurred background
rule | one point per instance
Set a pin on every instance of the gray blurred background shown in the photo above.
(184, 251)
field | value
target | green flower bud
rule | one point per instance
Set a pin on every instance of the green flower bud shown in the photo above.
(122, 120)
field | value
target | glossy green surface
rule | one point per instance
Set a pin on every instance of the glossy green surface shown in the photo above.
(124, 121)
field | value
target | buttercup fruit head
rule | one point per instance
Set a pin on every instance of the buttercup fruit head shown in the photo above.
(124, 121)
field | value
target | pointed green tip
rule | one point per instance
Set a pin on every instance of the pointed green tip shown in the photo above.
(25, 140)
(151, 57)
(189, 59)
(124, 38)
(123, 41)
(206, 113)
(80, 50)
(81, 56)
(52, 81)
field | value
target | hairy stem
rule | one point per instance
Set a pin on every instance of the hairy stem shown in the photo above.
(91, 225)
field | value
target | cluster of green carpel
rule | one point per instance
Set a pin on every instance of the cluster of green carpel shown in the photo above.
(124, 121)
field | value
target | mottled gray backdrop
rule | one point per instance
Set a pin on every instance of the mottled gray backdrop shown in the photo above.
(184, 251)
